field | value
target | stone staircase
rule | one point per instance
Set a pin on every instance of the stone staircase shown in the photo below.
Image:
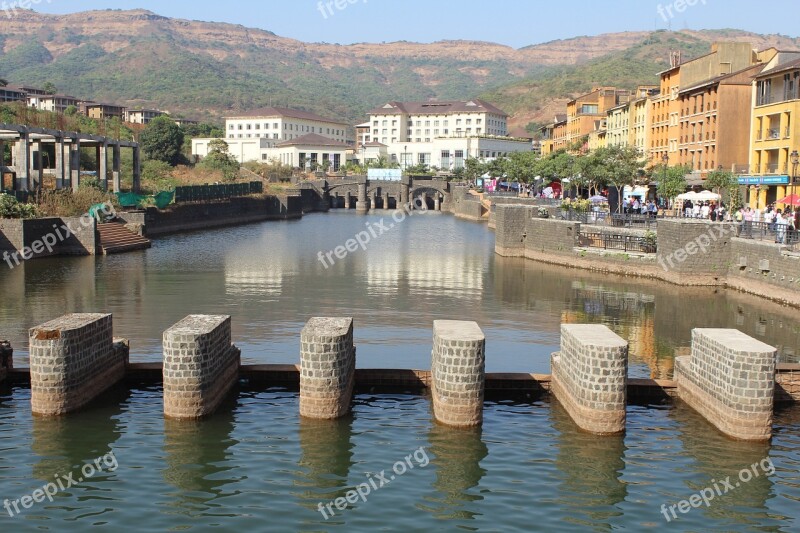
(115, 238)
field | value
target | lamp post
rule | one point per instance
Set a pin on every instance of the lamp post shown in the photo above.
(665, 159)
(795, 159)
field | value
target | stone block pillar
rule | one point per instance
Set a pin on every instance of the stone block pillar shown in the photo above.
(39, 163)
(386, 200)
(59, 163)
(102, 165)
(75, 163)
(347, 200)
(327, 368)
(458, 373)
(137, 169)
(6, 359)
(115, 168)
(730, 380)
(437, 203)
(73, 360)
(22, 162)
(363, 202)
(590, 377)
(200, 366)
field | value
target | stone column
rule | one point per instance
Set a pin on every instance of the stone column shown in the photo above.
(327, 368)
(363, 203)
(102, 165)
(590, 377)
(347, 200)
(137, 169)
(200, 366)
(73, 360)
(335, 201)
(59, 163)
(39, 179)
(6, 359)
(115, 167)
(386, 200)
(458, 373)
(75, 164)
(437, 205)
(404, 192)
(730, 380)
(22, 162)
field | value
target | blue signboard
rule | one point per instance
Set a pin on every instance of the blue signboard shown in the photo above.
(385, 174)
(764, 180)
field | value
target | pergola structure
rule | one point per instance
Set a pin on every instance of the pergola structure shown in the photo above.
(27, 162)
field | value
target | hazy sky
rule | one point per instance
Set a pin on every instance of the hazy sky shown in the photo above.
(516, 23)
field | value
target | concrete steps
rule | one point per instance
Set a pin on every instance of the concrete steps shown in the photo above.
(115, 238)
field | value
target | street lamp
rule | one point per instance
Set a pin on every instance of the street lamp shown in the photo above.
(665, 159)
(795, 159)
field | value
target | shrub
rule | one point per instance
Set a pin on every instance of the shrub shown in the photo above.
(11, 208)
(543, 212)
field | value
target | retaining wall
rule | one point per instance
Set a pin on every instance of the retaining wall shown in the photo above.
(200, 366)
(73, 359)
(66, 235)
(730, 380)
(590, 376)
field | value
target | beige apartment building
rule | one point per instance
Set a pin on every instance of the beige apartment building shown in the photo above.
(278, 124)
(584, 111)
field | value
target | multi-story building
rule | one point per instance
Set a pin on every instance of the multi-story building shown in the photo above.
(584, 111)
(56, 103)
(100, 111)
(421, 122)
(665, 114)
(775, 132)
(715, 122)
(142, 116)
(363, 134)
(185, 121)
(278, 124)
(443, 134)
(618, 126)
(639, 130)
(10, 93)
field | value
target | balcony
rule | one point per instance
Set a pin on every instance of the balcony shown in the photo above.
(775, 168)
(742, 169)
(773, 134)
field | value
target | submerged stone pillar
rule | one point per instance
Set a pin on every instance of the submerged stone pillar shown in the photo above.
(730, 380)
(385, 200)
(73, 360)
(6, 359)
(458, 373)
(347, 200)
(590, 377)
(327, 368)
(200, 366)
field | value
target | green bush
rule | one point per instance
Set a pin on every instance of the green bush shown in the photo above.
(11, 208)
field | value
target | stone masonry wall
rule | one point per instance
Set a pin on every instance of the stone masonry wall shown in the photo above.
(328, 363)
(730, 380)
(469, 209)
(72, 361)
(551, 236)
(590, 377)
(200, 366)
(510, 223)
(458, 369)
(688, 250)
(755, 262)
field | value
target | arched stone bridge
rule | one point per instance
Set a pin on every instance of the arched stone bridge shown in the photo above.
(362, 194)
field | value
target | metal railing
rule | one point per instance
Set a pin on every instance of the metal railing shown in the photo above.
(611, 241)
(779, 233)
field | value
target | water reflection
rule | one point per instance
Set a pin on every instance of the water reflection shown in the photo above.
(591, 468)
(325, 462)
(61, 444)
(197, 457)
(457, 455)
(717, 458)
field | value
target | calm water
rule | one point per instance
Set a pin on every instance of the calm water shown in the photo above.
(256, 466)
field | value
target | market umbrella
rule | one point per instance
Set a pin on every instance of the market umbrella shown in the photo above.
(599, 199)
(705, 196)
(792, 200)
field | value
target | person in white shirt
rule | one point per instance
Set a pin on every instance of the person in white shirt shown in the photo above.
(696, 210)
(705, 212)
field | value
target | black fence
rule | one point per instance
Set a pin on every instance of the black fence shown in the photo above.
(201, 193)
(623, 243)
(604, 218)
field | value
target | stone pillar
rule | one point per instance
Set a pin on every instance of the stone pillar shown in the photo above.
(404, 192)
(347, 200)
(200, 366)
(73, 360)
(730, 380)
(39, 176)
(590, 377)
(510, 229)
(22, 162)
(75, 164)
(437, 204)
(386, 200)
(335, 201)
(137, 169)
(59, 163)
(102, 165)
(115, 167)
(6, 359)
(363, 203)
(458, 373)
(327, 368)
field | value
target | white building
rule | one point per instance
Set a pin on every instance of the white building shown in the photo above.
(307, 152)
(57, 103)
(278, 124)
(142, 116)
(443, 134)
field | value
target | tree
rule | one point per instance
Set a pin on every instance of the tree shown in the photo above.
(162, 140)
(49, 88)
(473, 169)
(672, 181)
(723, 180)
(622, 167)
(219, 158)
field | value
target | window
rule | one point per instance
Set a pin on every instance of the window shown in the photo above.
(479, 121)
(230, 127)
(385, 123)
(458, 122)
(240, 127)
(266, 126)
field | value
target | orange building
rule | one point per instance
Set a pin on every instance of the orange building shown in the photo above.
(584, 111)
(664, 115)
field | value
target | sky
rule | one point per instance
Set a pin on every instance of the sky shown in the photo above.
(514, 23)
